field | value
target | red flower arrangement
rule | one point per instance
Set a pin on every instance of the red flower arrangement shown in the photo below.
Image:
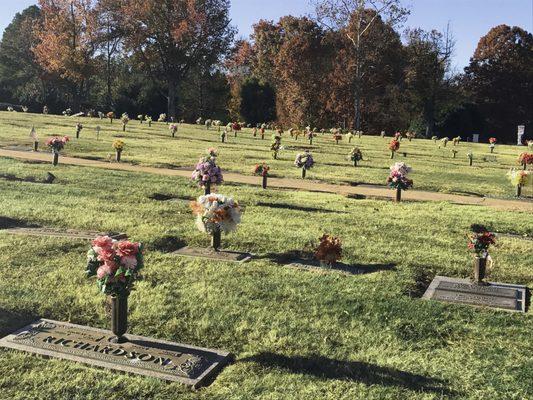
(480, 241)
(329, 250)
(394, 145)
(56, 143)
(525, 159)
(236, 126)
(492, 140)
(261, 169)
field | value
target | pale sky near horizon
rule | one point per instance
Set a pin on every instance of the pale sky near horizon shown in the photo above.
(469, 19)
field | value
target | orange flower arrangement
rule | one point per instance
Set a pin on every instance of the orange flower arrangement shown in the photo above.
(329, 250)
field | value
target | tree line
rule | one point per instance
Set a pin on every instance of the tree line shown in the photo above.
(349, 65)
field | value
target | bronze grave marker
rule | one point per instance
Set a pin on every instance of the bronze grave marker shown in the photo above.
(63, 233)
(495, 295)
(192, 366)
(220, 255)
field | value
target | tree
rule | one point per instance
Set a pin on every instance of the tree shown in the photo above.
(21, 78)
(238, 69)
(258, 102)
(67, 43)
(429, 57)
(500, 80)
(172, 36)
(351, 17)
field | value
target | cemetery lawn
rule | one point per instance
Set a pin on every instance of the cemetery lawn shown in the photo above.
(295, 334)
(434, 167)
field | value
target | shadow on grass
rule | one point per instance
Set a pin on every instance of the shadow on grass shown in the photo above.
(356, 371)
(293, 207)
(8, 223)
(167, 197)
(166, 244)
(30, 179)
(10, 321)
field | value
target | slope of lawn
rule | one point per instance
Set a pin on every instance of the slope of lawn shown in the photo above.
(295, 334)
(434, 167)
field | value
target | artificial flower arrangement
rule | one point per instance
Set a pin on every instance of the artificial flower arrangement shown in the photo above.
(337, 136)
(410, 135)
(56, 143)
(149, 120)
(111, 116)
(398, 136)
(519, 179)
(118, 145)
(116, 264)
(356, 155)
(454, 153)
(79, 127)
(140, 117)
(493, 140)
(310, 135)
(304, 161)
(125, 119)
(492, 144)
(444, 141)
(223, 135)
(470, 156)
(394, 146)
(162, 118)
(66, 113)
(530, 144)
(236, 126)
(329, 250)
(207, 172)
(398, 178)
(434, 138)
(173, 128)
(275, 146)
(261, 169)
(525, 159)
(479, 243)
(456, 140)
(350, 136)
(216, 213)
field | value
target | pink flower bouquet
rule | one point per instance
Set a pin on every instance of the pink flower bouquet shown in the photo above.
(115, 264)
(398, 177)
(207, 170)
(56, 143)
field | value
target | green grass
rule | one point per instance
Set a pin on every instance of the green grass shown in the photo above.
(434, 168)
(296, 334)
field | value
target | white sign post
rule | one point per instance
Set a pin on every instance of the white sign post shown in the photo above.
(521, 131)
(475, 138)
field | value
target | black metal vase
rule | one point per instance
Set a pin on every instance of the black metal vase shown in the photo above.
(304, 172)
(480, 269)
(56, 159)
(264, 182)
(398, 195)
(518, 190)
(35, 146)
(207, 188)
(216, 238)
(119, 317)
(118, 155)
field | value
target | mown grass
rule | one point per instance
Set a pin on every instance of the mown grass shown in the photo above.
(295, 334)
(434, 167)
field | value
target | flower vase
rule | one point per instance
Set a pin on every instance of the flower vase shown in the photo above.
(470, 161)
(110, 120)
(480, 269)
(216, 239)
(518, 190)
(119, 317)
(56, 159)
(398, 195)
(36, 146)
(123, 127)
(235, 133)
(524, 165)
(350, 139)
(310, 140)
(77, 134)
(336, 141)
(207, 188)
(264, 181)
(118, 154)
(391, 155)
(492, 150)
(223, 138)
(304, 171)
(149, 124)
(262, 136)
(355, 163)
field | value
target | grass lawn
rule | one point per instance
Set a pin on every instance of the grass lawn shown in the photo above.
(434, 167)
(295, 334)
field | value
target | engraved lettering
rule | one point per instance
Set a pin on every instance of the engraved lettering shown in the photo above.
(162, 361)
(106, 350)
(49, 339)
(146, 357)
(119, 352)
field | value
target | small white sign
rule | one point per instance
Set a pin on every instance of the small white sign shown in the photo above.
(475, 138)
(521, 131)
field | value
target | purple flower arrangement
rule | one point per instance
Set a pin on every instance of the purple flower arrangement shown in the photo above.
(207, 170)
(304, 160)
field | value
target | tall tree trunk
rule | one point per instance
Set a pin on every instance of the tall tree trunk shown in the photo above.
(171, 99)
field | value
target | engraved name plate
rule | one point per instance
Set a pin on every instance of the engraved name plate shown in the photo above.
(495, 295)
(193, 366)
(63, 233)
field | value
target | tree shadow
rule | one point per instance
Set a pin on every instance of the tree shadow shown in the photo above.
(293, 207)
(168, 197)
(8, 223)
(356, 371)
(30, 179)
(166, 244)
(10, 321)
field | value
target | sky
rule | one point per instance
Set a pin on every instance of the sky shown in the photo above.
(469, 19)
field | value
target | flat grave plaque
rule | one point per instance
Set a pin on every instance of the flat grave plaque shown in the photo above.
(63, 233)
(495, 295)
(192, 366)
(221, 255)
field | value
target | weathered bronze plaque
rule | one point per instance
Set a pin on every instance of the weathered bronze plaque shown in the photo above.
(221, 255)
(495, 295)
(63, 233)
(193, 366)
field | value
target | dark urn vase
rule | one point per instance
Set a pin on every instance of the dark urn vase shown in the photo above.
(304, 171)
(264, 182)
(518, 190)
(207, 188)
(480, 269)
(123, 127)
(470, 161)
(392, 155)
(355, 163)
(36, 146)
(119, 317)
(398, 195)
(216, 239)
(56, 159)
(118, 154)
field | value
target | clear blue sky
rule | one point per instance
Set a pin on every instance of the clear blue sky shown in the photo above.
(469, 19)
